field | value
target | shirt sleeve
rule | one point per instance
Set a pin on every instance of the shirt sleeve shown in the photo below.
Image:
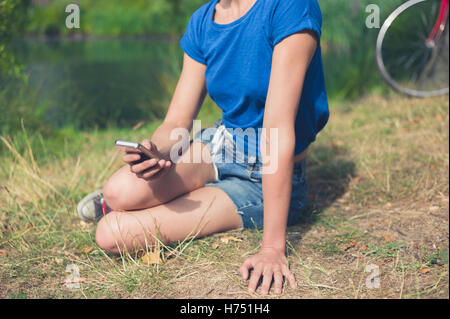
(292, 16)
(191, 41)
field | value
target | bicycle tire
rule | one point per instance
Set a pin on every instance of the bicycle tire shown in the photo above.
(381, 65)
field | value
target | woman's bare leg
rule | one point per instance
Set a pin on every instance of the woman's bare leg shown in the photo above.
(125, 191)
(201, 212)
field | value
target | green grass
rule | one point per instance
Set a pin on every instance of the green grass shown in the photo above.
(379, 168)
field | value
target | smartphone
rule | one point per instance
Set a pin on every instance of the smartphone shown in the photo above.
(132, 146)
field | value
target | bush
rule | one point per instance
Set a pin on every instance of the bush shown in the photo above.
(349, 47)
(115, 17)
(12, 18)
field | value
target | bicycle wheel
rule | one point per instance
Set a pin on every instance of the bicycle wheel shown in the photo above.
(406, 60)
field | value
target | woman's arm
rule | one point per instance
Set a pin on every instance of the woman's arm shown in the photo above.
(290, 61)
(184, 107)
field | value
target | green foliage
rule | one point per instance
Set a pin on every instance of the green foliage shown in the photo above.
(439, 257)
(11, 18)
(18, 106)
(386, 250)
(349, 47)
(115, 17)
(12, 14)
(96, 83)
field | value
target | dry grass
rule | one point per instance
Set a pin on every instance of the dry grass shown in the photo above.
(378, 195)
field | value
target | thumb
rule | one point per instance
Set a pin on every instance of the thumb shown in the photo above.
(245, 268)
(147, 144)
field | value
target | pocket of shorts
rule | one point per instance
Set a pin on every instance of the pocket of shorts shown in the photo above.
(254, 174)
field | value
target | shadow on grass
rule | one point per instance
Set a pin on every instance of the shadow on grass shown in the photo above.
(329, 172)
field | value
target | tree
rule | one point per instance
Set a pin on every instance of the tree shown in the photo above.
(12, 19)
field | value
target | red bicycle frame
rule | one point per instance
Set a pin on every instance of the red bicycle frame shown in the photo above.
(439, 26)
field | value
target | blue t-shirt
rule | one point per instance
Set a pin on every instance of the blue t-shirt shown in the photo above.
(238, 59)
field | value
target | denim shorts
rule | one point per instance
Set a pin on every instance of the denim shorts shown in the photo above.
(241, 179)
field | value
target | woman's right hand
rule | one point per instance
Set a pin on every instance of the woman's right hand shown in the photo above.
(148, 169)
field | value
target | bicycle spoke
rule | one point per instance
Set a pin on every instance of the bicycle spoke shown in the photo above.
(410, 63)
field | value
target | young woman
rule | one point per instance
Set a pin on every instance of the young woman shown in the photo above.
(260, 61)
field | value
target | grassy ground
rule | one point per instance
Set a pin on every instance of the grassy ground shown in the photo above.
(378, 201)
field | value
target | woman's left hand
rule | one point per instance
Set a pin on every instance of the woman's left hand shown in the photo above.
(270, 263)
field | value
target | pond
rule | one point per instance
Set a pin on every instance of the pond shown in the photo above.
(100, 82)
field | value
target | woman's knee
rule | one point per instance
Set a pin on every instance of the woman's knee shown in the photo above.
(108, 235)
(118, 232)
(115, 192)
(115, 233)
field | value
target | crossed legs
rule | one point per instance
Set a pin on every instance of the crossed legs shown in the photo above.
(170, 208)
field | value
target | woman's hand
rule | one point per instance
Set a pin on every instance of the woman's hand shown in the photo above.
(150, 168)
(270, 263)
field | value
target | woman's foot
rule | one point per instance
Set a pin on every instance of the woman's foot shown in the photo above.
(93, 207)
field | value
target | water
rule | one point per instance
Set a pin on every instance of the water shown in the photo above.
(100, 82)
